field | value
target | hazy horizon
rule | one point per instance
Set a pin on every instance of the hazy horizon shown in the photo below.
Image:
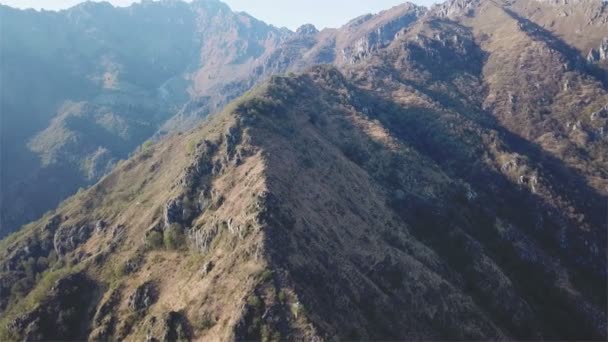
(287, 13)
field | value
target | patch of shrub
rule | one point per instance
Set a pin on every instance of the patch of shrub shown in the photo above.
(154, 240)
(32, 299)
(147, 148)
(174, 237)
(121, 270)
(356, 153)
(266, 275)
(282, 296)
(265, 333)
(254, 301)
(147, 145)
(191, 148)
(205, 322)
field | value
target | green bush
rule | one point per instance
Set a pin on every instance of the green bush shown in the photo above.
(19, 289)
(154, 240)
(147, 145)
(174, 237)
(266, 275)
(32, 299)
(147, 149)
(254, 301)
(265, 333)
(191, 148)
(29, 266)
(120, 270)
(282, 296)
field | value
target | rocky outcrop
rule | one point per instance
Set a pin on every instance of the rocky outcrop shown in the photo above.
(63, 314)
(105, 319)
(174, 212)
(203, 237)
(306, 30)
(68, 238)
(100, 226)
(144, 296)
(599, 54)
(170, 327)
(31, 250)
(380, 37)
(52, 225)
(600, 114)
(454, 8)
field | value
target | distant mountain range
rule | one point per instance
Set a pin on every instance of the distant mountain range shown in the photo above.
(417, 174)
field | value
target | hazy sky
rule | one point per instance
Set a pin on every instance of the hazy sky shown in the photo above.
(289, 13)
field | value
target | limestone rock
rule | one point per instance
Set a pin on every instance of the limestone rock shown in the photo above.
(144, 296)
(68, 238)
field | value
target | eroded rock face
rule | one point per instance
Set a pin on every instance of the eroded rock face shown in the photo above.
(32, 249)
(53, 224)
(203, 166)
(455, 8)
(202, 238)
(105, 318)
(100, 226)
(172, 326)
(600, 54)
(64, 313)
(175, 327)
(600, 114)
(144, 296)
(68, 238)
(380, 37)
(174, 212)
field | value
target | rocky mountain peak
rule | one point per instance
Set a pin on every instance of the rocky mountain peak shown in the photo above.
(366, 34)
(307, 29)
(453, 8)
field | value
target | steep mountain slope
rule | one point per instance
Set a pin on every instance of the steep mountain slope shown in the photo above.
(446, 179)
(439, 65)
(116, 77)
(304, 215)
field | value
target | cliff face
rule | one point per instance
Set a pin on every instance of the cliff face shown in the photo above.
(445, 179)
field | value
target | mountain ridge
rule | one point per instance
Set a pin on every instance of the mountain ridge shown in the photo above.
(447, 183)
(197, 79)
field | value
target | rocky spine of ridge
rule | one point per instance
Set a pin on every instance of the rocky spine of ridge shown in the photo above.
(93, 112)
(260, 196)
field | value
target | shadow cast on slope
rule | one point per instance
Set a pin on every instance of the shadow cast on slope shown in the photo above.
(500, 198)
